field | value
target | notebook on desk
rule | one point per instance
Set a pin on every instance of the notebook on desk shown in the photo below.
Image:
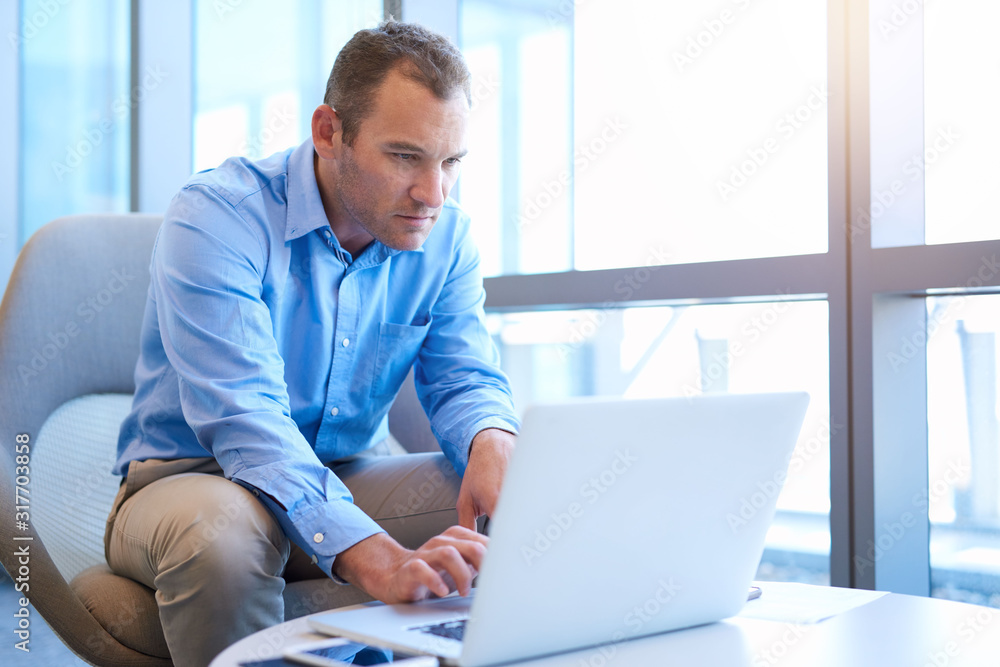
(617, 519)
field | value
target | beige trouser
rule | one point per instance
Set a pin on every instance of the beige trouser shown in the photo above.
(218, 559)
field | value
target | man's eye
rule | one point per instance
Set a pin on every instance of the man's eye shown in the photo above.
(404, 156)
(453, 161)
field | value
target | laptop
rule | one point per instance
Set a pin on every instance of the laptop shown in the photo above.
(617, 519)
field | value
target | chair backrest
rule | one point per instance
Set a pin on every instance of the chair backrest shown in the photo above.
(70, 317)
(408, 422)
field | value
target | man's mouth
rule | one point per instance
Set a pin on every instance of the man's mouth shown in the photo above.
(417, 220)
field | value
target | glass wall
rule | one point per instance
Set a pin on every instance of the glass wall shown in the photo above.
(715, 117)
(635, 134)
(664, 351)
(76, 107)
(620, 132)
(261, 68)
(517, 181)
(961, 135)
(963, 490)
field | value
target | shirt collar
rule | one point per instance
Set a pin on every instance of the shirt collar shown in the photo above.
(305, 212)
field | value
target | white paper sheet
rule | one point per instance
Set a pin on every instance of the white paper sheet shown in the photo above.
(799, 603)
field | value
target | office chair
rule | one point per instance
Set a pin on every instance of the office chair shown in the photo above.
(69, 341)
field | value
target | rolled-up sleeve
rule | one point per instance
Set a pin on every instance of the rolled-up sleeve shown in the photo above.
(207, 282)
(457, 375)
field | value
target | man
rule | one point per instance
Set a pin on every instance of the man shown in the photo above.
(289, 298)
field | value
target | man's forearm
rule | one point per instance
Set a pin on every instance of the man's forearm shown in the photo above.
(494, 437)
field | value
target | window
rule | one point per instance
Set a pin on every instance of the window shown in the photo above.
(928, 278)
(963, 490)
(76, 106)
(664, 351)
(709, 87)
(261, 68)
(698, 133)
(517, 177)
(578, 166)
(960, 132)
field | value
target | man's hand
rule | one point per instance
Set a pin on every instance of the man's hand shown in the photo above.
(391, 573)
(488, 457)
(450, 561)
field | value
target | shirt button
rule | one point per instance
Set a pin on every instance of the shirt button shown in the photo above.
(317, 538)
(346, 342)
(334, 411)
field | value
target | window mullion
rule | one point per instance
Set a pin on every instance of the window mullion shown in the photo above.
(162, 99)
(838, 294)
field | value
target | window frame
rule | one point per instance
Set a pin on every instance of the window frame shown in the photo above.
(161, 162)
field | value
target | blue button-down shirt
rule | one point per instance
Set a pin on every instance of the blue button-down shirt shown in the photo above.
(266, 345)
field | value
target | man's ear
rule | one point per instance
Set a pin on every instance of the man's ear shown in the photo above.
(327, 132)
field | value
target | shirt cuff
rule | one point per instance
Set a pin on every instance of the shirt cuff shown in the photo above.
(322, 531)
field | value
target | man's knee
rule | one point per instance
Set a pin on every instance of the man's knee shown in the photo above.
(208, 519)
(230, 526)
(233, 511)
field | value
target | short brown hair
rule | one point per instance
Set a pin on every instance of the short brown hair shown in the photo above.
(366, 59)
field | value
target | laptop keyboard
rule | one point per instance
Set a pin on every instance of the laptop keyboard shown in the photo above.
(448, 629)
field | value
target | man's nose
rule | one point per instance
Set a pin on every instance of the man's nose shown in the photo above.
(430, 188)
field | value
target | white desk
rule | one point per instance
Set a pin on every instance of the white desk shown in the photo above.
(892, 630)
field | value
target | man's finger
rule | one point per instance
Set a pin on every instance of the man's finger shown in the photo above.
(419, 574)
(473, 552)
(450, 560)
(463, 533)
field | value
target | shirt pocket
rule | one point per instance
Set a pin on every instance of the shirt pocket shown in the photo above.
(398, 346)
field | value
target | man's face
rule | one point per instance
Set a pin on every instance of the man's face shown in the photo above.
(405, 158)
